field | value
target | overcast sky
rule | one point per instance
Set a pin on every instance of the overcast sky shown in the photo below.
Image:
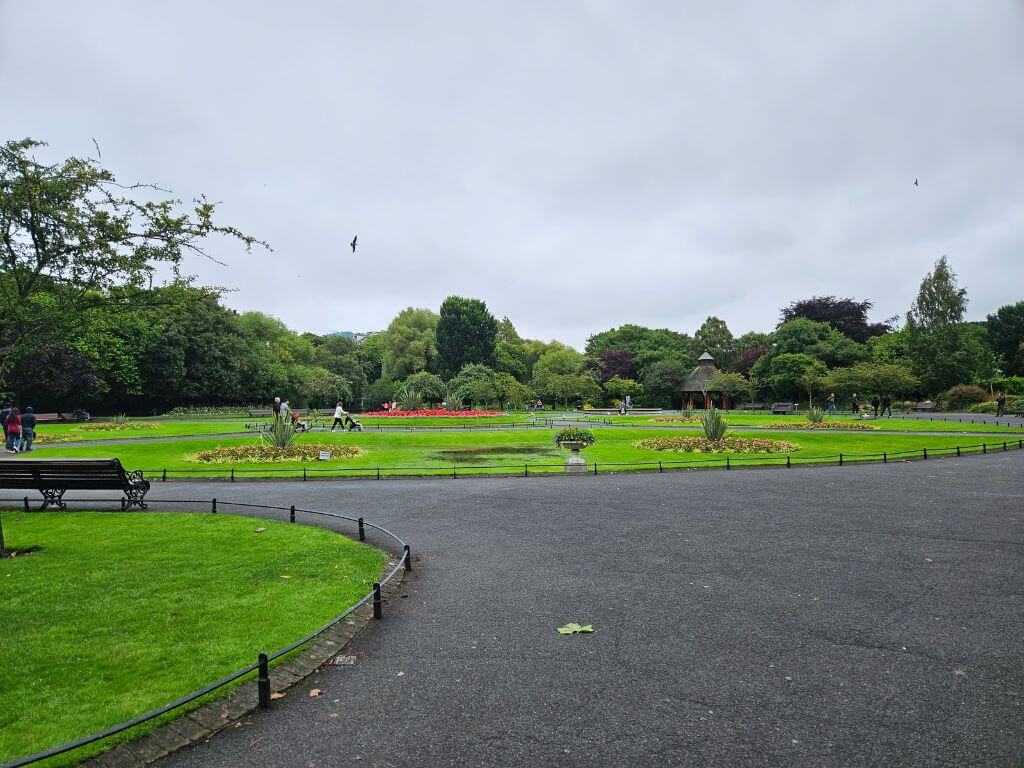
(577, 165)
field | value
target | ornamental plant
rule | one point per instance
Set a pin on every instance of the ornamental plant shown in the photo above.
(816, 415)
(713, 424)
(575, 435)
(279, 434)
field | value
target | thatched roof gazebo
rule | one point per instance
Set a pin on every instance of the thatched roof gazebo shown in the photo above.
(697, 384)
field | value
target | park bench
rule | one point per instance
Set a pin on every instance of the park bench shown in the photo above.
(753, 407)
(928, 405)
(54, 478)
(48, 418)
(783, 408)
(268, 412)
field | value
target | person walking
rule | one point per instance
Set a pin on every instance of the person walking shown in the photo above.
(339, 416)
(28, 429)
(14, 429)
(276, 407)
(1001, 405)
(855, 404)
(832, 404)
(875, 402)
(886, 405)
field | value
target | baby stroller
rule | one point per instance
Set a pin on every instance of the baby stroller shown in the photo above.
(351, 425)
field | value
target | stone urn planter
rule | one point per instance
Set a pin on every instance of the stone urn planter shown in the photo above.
(575, 464)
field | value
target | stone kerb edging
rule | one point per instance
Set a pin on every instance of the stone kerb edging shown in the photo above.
(322, 645)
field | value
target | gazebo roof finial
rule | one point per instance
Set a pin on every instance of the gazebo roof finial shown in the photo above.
(706, 358)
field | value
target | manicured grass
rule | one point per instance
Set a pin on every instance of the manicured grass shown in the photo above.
(160, 429)
(880, 425)
(494, 451)
(118, 613)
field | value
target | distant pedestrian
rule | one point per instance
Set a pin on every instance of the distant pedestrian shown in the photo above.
(832, 404)
(875, 402)
(276, 407)
(28, 429)
(886, 404)
(629, 402)
(1001, 405)
(855, 404)
(339, 416)
(14, 429)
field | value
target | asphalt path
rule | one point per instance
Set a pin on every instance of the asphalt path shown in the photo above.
(857, 616)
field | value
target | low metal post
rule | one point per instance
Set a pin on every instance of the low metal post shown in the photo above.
(788, 463)
(263, 682)
(26, 503)
(164, 478)
(984, 448)
(378, 473)
(595, 469)
(526, 470)
(958, 451)
(214, 510)
(232, 474)
(924, 453)
(453, 471)
(728, 465)
(885, 457)
(377, 609)
(303, 473)
(362, 530)
(408, 558)
(660, 468)
(291, 514)
(840, 459)
(1004, 445)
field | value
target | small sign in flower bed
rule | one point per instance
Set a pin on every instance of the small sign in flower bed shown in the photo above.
(260, 454)
(433, 412)
(675, 420)
(817, 425)
(725, 445)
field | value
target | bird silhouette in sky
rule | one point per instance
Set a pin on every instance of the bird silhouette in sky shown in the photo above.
(353, 243)
(915, 183)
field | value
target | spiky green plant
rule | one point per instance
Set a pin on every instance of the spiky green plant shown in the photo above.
(279, 433)
(713, 424)
(410, 398)
(688, 411)
(816, 415)
(453, 400)
(120, 419)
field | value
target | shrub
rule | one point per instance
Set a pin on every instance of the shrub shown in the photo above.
(575, 435)
(963, 395)
(410, 398)
(279, 433)
(816, 416)
(214, 410)
(713, 424)
(1012, 404)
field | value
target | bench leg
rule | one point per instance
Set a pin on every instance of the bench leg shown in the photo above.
(134, 498)
(53, 496)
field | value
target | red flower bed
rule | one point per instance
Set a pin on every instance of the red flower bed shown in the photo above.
(432, 412)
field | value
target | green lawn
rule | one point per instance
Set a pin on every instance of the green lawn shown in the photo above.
(118, 613)
(158, 429)
(881, 425)
(491, 451)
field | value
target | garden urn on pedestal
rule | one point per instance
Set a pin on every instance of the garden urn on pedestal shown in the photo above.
(575, 464)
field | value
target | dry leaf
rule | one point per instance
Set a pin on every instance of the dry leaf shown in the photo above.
(959, 673)
(314, 693)
(255, 741)
(400, 674)
(224, 714)
(278, 695)
(260, 530)
(285, 577)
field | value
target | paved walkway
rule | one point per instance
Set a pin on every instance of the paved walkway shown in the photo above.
(861, 616)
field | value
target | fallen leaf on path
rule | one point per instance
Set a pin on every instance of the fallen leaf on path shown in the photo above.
(959, 673)
(400, 674)
(260, 530)
(255, 741)
(314, 693)
(224, 714)
(278, 695)
(574, 629)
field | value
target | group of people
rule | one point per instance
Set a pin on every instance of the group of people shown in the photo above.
(19, 428)
(881, 405)
(282, 410)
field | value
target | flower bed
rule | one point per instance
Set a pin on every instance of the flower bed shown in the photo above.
(675, 420)
(110, 426)
(260, 454)
(820, 425)
(725, 445)
(432, 412)
(57, 437)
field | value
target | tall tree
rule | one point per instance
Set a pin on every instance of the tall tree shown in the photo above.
(715, 338)
(466, 334)
(69, 230)
(411, 343)
(1006, 335)
(848, 316)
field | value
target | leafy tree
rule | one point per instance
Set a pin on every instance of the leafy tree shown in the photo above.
(569, 386)
(512, 358)
(616, 363)
(715, 338)
(466, 334)
(340, 356)
(429, 385)
(70, 232)
(556, 362)
(732, 385)
(819, 340)
(662, 381)
(507, 333)
(746, 360)
(848, 316)
(618, 388)
(648, 345)
(476, 384)
(379, 392)
(371, 355)
(1006, 335)
(870, 378)
(325, 390)
(55, 376)
(791, 372)
(410, 344)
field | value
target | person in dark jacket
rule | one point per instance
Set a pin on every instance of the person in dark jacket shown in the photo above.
(28, 429)
(875, 402)
(886, 405)
(1001, 405)
(5, 412)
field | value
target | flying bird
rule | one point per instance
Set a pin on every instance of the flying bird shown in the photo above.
(353, 243)
(915, 183)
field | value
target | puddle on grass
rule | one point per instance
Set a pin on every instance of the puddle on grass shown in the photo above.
(467, 455)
